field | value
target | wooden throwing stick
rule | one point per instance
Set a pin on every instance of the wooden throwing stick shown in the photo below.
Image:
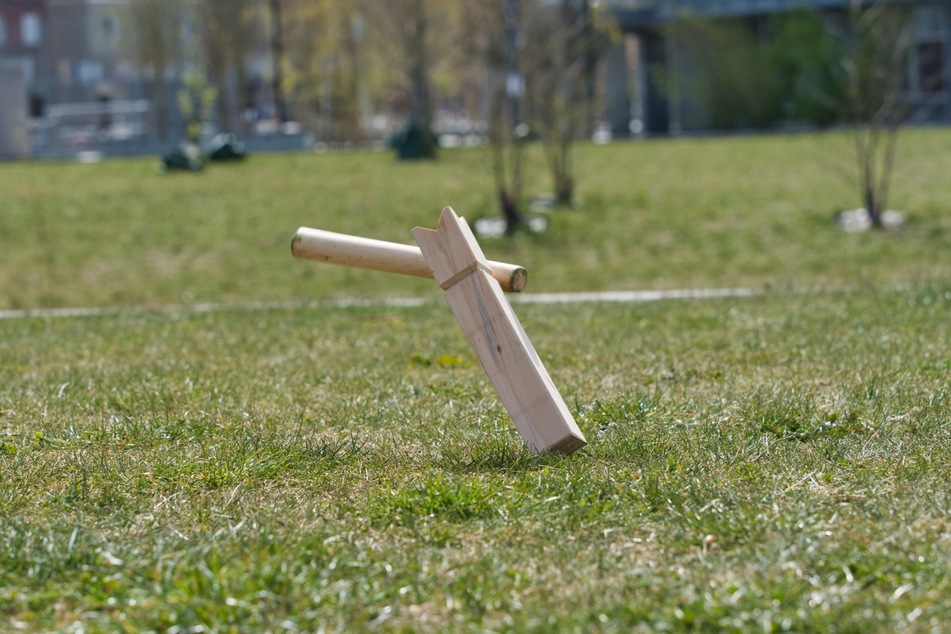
(497, 336)
(378, 255)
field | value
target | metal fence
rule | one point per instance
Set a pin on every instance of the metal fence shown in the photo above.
(73, 127)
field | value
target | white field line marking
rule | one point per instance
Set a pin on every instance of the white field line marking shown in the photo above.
(172, 309)
(521, 298)
(631, 296)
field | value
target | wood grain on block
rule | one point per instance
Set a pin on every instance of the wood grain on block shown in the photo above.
(379, 255)
(497, 337)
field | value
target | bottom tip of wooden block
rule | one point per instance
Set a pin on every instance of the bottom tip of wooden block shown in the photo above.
(567, 445)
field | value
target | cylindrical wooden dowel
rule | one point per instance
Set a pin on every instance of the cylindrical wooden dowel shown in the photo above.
(378, 255)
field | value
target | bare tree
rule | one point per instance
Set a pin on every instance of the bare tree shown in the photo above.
(850, 67)
(420, 39)
(277, 59)
(541, 60)
(196, 95)
(885, 79)
(229, 31)
(157, 28)
(874, 68)
(416, 42)
(333, 66)
(495, 45)
(397, 57)
(566, 42)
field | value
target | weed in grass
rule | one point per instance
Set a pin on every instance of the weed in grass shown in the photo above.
(791, 417)
(435, 499)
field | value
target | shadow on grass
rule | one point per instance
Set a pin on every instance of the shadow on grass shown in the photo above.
(494, 455)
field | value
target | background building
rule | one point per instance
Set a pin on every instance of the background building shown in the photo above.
(658, 65)
(109, 75)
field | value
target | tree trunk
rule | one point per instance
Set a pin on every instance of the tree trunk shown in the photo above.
(506, 153)
(277, 62)
(872, 207)
(513, 219)
(565, 192)
(421, 110)
(158, 97)
(561, 173)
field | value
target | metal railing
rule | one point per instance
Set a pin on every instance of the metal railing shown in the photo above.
(78, 126)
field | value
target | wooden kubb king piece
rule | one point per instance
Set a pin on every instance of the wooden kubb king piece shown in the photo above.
(474, 291)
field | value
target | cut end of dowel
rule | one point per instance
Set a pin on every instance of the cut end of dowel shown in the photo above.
(295, 241)
(517, 280)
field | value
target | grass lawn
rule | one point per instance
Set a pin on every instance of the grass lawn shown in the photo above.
(753, 211)
(779, 462)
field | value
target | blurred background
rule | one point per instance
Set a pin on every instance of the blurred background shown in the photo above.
(125, 77)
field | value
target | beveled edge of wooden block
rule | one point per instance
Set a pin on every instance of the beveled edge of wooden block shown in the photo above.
(568, 445)
(451, 249)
